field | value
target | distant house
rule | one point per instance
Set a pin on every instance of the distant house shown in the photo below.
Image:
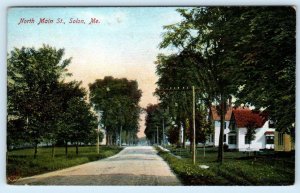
(264, 135)
(215, 118)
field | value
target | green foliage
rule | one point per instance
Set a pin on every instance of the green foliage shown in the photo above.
(20, 163)
(182, 72)
(173, 135)
(33, 75)
(118, 100)
(41, 106)
(268, 61)
(156, 118)
(255, 63)
(153, 121)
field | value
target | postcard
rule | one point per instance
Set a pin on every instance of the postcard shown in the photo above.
(151, 96)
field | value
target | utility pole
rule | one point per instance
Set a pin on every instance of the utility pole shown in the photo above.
(121, 136)
(157, 135)
(163, 132)
(194, 127)
(98, 151)
(194, 116)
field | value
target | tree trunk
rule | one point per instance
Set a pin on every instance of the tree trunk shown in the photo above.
(76, 148)
(153, 140)
(221, 137)
(184, 138)
(249, 149)
(107, 139)
(111, 139)
(204, 148)
(53, 150)
(35, 149)
(121, 135)
(66, 149)
(129, 138)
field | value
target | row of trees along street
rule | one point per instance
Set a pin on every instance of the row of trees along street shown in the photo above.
(117, 100)
(45, 109)
(42, 107)
(245, 53)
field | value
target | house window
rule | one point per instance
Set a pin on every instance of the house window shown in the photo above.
(225, 125)
(232, 139)
(232, 125)
(269, 139)
(224, 138)
(247, 141)
(280, 138)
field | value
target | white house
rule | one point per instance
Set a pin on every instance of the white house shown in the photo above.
(214, 138)
(236, 120)
(240, 119)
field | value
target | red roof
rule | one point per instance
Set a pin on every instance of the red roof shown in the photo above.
(216, 116)
(269, 133)
(246, 117)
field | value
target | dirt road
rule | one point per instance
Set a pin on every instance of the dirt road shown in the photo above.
(132, 166)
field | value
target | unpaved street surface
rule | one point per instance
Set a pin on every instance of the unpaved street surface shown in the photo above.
(132, 166)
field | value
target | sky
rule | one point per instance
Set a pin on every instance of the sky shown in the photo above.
(123, 44)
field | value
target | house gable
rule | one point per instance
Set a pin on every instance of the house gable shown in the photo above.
(243, 117)
(216, 117)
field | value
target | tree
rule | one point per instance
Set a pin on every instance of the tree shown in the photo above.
(267, 63)
(252, 120)
(231, 62)
(173, 135)
(178, 71)
(118, 100)
(62, 130)
(153, 121)
(80, 121)
(33, 74)
(197, 37)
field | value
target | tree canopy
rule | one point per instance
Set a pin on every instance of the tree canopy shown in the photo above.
(118, 100)
(243, 52)
(42, 107)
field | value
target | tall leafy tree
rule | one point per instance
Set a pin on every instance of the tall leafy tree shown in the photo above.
(33, 74)
(80, 122)
(267, 66)
(177, 74)
(153, 123)
(241, 62)
(75, 119)
(197, 35)
(118, 99)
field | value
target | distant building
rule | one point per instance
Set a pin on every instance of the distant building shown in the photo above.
(264, 135)
(216, 121)
(235, 129)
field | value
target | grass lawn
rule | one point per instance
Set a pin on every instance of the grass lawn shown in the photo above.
(20, 163)
(238, 168)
